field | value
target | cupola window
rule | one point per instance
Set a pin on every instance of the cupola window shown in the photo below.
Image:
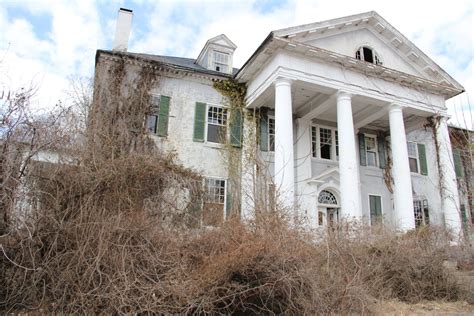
(221, 62)
(367, 54)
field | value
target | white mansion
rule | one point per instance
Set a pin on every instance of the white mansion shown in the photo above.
(351, 122)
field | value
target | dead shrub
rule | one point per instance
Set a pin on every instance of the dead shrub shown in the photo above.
(111, 258)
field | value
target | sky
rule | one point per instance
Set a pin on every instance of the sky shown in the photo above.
(45, 43)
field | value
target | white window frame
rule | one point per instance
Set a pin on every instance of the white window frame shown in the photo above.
(216, 63)
(421, 201)
(271, 117)
(417, 157)
(317, 154)
(208, 105)
(381, 206)
(375, 56)
(367, 151)
(155, 112)
(205, 193)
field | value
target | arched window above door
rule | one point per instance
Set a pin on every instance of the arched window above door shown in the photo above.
(326, 197)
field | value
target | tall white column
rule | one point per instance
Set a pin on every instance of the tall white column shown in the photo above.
(284, 159)
(348, 165)
(449, 187)
(402, 191)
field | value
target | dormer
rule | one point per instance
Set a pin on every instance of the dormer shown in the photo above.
(217, 54)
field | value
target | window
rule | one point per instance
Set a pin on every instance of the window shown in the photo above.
(422, 215)
(371, 150)
(324, 143)
(214, 201)
(326, 197)
(153, 116)
(367, 54)
(221, 62)
(271, 134)
(216, 124)
(375, 205)
(413, 157)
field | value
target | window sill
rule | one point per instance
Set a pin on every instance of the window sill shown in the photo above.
(214, 145)
(325, 161)
(417, 175)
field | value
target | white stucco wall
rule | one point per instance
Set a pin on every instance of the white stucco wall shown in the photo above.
(427, 187)
(184, 92)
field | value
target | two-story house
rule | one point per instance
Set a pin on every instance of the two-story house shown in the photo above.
(344, 118)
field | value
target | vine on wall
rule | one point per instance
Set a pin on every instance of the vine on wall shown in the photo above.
(120, 105)
(234, 97)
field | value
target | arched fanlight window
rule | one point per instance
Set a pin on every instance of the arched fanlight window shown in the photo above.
(367, 54)
(326, 197)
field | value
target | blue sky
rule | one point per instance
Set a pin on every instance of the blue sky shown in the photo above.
(45, 42)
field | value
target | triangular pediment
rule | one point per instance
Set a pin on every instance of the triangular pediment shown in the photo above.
(222, 40)
(331, 175)
(346, 35)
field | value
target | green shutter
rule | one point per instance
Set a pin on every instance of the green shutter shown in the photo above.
(457, 162)
(263, 129)
(362, 153)
(228, 200)
(381, 150)
(163, 116)
(236, 128)
(375, 208)
(199, 122)
(422, 157)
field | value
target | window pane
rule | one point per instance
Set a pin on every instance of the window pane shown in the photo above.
(325, 151)
(413, 165)
(151, 123)
(313, 141)
(325, 142)
(412, 152)
(375, 209)
(337, 144)
(418, 213)
(271, 134)
(370, 143)
(217, 115)
(216, 133)
(371, 159)
(368, 56)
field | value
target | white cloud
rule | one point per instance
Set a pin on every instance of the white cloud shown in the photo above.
(181, 28)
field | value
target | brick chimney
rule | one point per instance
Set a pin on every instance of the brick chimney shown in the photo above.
(122, 31)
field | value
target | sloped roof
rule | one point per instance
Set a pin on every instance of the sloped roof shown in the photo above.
(176, 62)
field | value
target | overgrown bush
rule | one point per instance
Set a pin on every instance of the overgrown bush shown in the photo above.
(94, 246)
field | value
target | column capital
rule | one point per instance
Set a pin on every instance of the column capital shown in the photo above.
(282, 81)
(341, 94)
(394, 107)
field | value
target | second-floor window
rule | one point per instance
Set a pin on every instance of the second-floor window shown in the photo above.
(216, 124)
(371, 150)
(153, 116)
(324, 143)
(158, 115)
(413, 157)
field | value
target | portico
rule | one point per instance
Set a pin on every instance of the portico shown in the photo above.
(346, 125)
